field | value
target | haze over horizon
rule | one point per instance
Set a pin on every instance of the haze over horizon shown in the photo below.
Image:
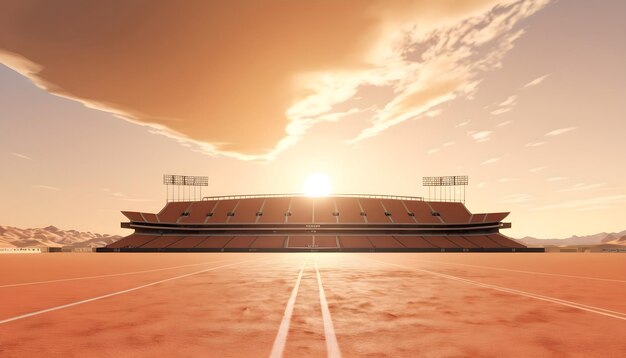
(525, 97)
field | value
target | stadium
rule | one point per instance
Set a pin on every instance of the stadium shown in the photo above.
(300, 223)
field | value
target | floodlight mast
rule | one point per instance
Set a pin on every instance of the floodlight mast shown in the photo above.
(184, 183)
(446, 187)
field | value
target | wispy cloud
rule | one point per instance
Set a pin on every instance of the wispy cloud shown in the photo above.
(556, 178)
(593, 203)
(46, 187)
(535, 144)
(463, 124)
(507, 180)
(559, 131)
(481, 136)
(582, 186)
(22, 156)
(502, 124)
(432, 151)
(498, 111)
(490, 161)
(448, 144)
(536, 81)
(481, 185)
(537, 169)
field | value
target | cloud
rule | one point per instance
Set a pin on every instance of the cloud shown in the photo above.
(505, 106)
(480, 136)
(248, 79)
(481, 185)
(537, 169)
(535, 144)
(463, 124)
(23, 156)
(47, 187)
(490, 161)
(502, 124)
(448, 144)
(507, 180)
(432, 151)
(582, 186)
(559, 131)
(536, 81)
(556, 178)
(603, 202)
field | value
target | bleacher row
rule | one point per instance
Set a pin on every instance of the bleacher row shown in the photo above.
(305, 210)
(489, 241)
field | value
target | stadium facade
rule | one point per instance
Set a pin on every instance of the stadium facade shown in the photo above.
(297, 223)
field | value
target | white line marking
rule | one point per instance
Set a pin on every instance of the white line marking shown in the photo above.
(281, 337)
(7, 320)
(332, 347)
(107, 275)
(530, 272)
(580, 306)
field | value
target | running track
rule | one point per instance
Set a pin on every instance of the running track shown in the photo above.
(313, 305)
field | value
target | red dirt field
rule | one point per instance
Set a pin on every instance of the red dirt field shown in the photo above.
(345, 304)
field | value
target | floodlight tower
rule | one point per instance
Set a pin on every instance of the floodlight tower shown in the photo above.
(184, 183)
(444, 188)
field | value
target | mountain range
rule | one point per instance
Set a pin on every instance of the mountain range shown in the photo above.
(52, 236)
(618, 238)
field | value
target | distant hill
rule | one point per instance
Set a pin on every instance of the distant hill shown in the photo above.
(596, 239)
(52, 237)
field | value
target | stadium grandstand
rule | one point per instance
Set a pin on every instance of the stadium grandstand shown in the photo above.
(297, 223)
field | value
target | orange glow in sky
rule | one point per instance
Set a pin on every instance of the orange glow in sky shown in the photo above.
(525, 97)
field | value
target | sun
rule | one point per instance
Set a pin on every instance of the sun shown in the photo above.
(317, 184)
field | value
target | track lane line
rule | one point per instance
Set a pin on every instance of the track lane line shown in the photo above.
(106, 275)
(332, 347)
(580, 306)
(117, 293)
(529, 272)
(281, 337)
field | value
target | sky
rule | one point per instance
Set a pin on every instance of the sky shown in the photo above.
(525, 97)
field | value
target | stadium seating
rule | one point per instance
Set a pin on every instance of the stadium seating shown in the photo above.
(325, 241)
(460, 241)
(214, 242)
(375, 213)
(274, 210)
(268, 242)
(495, 217)
(422, 212)
(300, 241)
(133, 216)
(399, 213)
(451, 212)
(478, 218)
(482, 241)
(198, 212)
(150, 218)
(173, 211)
(415, 242)
(240, 242)
(187, 242)
(161, 242)
(132, 241)
(246, 211)
(355, 242)
(505, 241)
(323, 209)
(222, 211)
(301, 211)
(385, 242)
(349, 211)
(441, 241)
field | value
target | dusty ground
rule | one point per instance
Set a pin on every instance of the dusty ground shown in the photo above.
(232, 305)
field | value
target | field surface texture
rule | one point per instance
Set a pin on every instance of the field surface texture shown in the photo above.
(313, 305)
